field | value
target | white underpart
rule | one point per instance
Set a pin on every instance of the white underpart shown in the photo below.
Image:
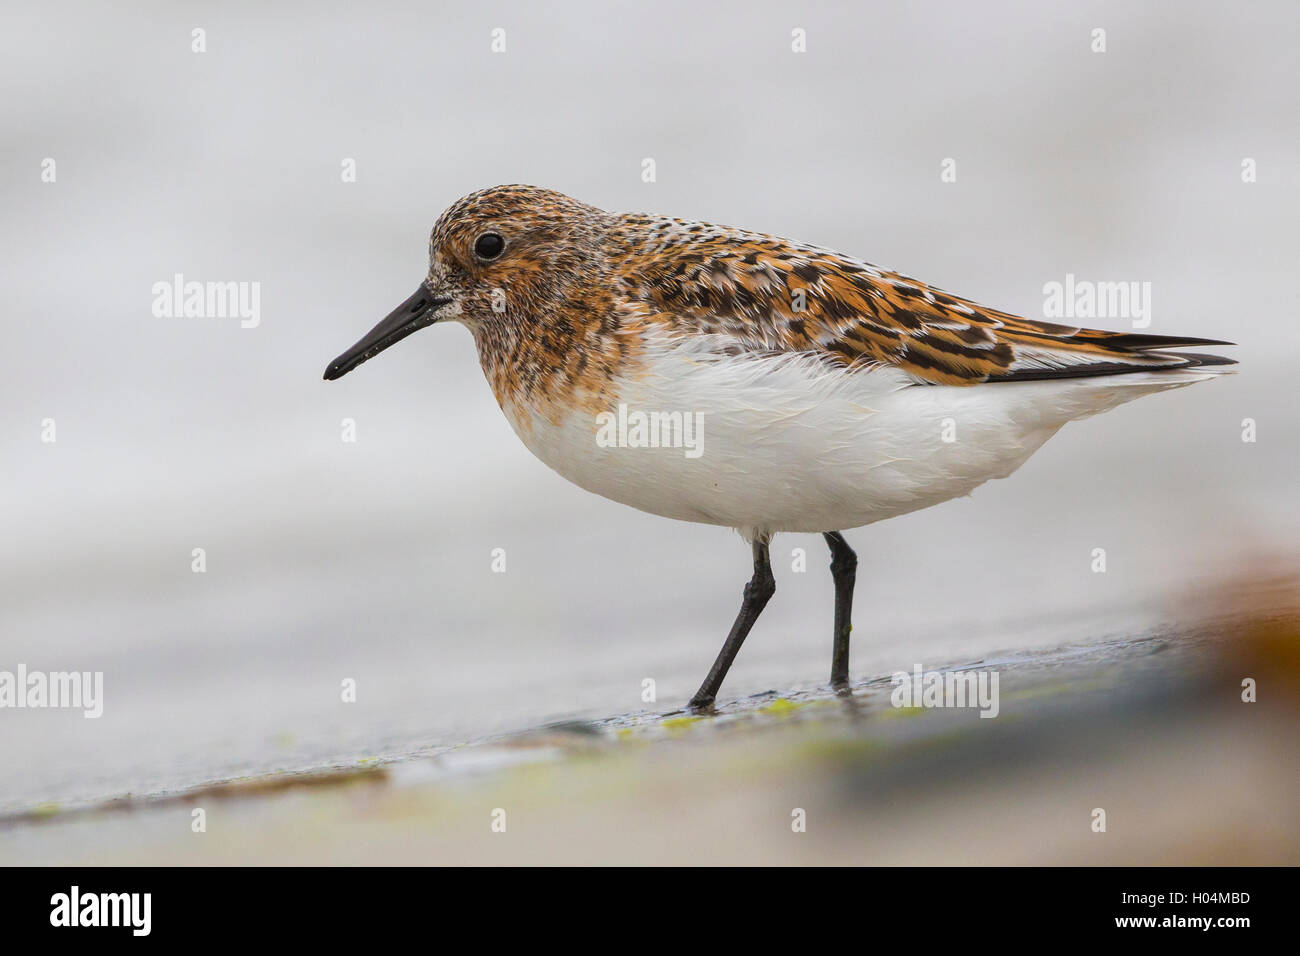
(791, 444)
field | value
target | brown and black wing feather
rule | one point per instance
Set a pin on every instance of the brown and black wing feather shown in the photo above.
(772, 294)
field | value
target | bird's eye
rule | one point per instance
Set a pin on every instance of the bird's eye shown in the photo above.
(489, 246)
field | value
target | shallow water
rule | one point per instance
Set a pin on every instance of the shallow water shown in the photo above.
(1149, 729)
(418, 760)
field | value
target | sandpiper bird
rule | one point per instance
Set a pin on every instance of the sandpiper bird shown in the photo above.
(826, 393)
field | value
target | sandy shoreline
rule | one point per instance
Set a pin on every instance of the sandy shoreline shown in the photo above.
(1151, 730)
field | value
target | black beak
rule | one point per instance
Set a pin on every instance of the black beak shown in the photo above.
(411, 316)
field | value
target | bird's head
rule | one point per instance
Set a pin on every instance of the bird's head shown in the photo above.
(495, 256)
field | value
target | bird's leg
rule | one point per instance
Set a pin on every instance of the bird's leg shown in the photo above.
(758, 591)
(844, 570)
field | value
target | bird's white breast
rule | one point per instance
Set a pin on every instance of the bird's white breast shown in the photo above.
(788, 443)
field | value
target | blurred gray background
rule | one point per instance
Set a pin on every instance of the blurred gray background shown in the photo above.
(371, 561)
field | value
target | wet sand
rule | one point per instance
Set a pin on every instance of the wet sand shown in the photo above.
(1151, 729)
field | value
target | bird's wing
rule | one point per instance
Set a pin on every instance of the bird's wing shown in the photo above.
(771, 294)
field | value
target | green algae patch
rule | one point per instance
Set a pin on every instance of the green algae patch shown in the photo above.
(679, 723)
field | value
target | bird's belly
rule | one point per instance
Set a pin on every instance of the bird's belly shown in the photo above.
(784, 444)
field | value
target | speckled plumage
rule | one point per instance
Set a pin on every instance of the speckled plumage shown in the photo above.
(582, 287)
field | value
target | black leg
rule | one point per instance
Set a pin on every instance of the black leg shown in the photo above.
(844, 569)
(758, 591)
